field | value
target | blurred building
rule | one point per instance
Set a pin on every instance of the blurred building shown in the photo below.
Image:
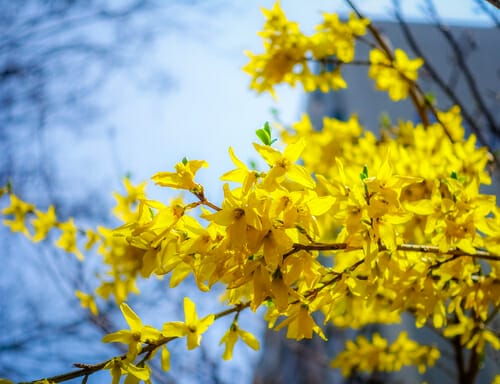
(480, 48)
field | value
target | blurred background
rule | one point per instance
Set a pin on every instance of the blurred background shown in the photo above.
(93, 91)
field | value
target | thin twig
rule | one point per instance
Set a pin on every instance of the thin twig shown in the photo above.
(488, 12)
(415, 97)
(89, 369)
(462, 64)
(402, 247)
(495, 3)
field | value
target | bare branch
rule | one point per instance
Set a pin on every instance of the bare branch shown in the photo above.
(436, 77)
(488, 12)
(89, 369)
(469, 77)
(495, 3)
(402, 247)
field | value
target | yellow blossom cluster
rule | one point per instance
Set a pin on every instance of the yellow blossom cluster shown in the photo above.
(290, 53)
(340, 226)
(377, 355)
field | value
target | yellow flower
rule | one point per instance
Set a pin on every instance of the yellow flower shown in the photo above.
(394, 77)
(19, 209)
(183, 177)
(92, 239)
(337, 38)
(241, 174)
(136, 336)
(117, 367)
(377, 355)
(192, 328)
(300, 324)
(231, 337)
(283, 165)
(237, 213)
(67, 240)
(87, 301)
(44, 223)
(285, 48)
(125, 204)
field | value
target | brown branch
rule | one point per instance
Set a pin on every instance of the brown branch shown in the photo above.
(462, 64)
(89, 369)
(459, 359)
(488, 12)
(402, 247)
(434, 74)
(442, 85)
(201, 196)
(211, 205)
(415, 97)
(495, 3)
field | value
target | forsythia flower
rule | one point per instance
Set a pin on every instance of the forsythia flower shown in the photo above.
(67, 240)
(283, 165)
(44, 223)
(87, 301)
(192, 328)
(125, 203)
(231, 337)
(337, 38)
(136, 336)
(118, 367)
(285, 47)
(300, 324)
(393, 76)
(183, 177)
(19, 209)
(241, 174)
(378, 355)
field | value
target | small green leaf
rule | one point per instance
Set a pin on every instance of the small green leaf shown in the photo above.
(151, 212)
(275, 113)
(454, 175)
(264, 134)
(364, 175)
(184, 160)
(269, 303)
(430, 97)
(385, 120)
(267, 128)
(9, 186)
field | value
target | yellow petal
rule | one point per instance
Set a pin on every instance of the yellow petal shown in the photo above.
(141, 373)
(249, 339)
(320, 205)
(190, 311)
(294, 150)
(299, 174)
(270, 155)
(121, 336)
(193, 340)
(174, 329)
(229, 338)
(165, 359)
(133, 321)
(204, 323)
